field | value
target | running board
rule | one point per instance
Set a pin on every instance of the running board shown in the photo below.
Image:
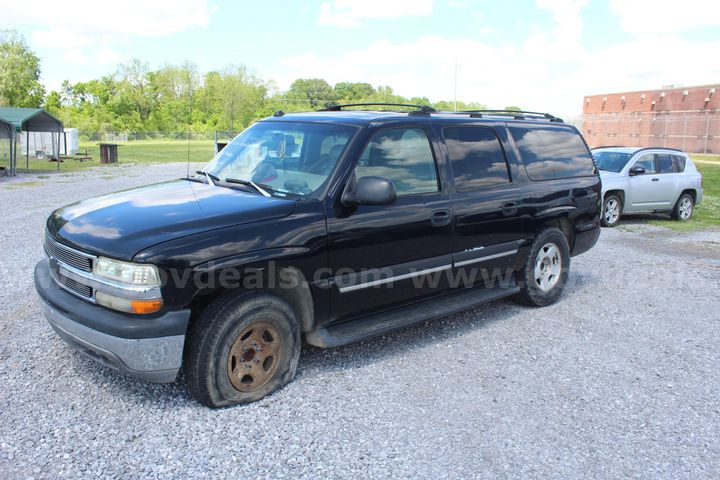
(377, 324)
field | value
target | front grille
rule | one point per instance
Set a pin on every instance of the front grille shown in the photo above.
(68, 255)
(72, 285)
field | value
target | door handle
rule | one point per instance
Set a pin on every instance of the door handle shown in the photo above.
(441, 217)
(655, 179)
(509, 208)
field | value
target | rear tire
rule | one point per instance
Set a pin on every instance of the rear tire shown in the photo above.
(684, 208)
(612, 209)
(545, 272)
(243, 347)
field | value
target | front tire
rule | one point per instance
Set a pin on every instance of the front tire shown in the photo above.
(242, 348)
(612, 209)
(545, 272)
(684, 208)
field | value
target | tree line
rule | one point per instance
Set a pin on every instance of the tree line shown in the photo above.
(176, 98)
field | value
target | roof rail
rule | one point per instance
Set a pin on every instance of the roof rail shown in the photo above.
(419, 108)
(639, 149)
(516, 114)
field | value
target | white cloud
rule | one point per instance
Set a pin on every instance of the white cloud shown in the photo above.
(665, 16)
(424, 67)
(89, 31)
(549, 71)
(562, 42)
(352, 13)
(73, 56)
(132, 17)
(55, 37)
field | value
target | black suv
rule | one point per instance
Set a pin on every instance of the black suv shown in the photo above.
(333, 226)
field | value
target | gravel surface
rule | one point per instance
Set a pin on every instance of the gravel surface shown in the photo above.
(621, 378)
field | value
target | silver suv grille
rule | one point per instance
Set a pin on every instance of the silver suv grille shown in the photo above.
(67, 255)
(76, 287)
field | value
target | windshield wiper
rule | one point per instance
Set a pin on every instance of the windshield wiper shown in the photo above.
(210, 177)
(250, 183)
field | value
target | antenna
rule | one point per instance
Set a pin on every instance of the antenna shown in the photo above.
(189, 124)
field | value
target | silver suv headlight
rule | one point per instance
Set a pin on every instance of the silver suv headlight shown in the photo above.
(126, 272)
(127, 280)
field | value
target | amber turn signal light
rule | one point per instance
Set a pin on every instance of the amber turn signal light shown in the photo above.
(146, 306)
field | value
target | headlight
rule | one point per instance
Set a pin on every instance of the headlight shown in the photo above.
(125, 272)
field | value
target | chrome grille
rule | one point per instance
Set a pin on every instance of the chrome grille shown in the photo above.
(68, 255)
(76, 287)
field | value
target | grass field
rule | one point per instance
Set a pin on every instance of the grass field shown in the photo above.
(707, 214)
(144, 151)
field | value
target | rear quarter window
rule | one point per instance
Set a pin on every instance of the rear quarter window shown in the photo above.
(552, 152)
(678, 163)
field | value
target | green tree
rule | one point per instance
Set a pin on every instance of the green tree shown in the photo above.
(513, 109)
(138, 96)
(350, 92)
(313, 92)
(19, 72)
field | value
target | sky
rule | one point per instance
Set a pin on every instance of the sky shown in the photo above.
(543, 55)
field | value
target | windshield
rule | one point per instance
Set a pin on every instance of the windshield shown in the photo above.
(611, 161)
(283, 157)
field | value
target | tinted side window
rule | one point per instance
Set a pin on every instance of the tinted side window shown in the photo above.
(647, 162)
(553, 152)
(477, 157)
(402, 155)
(678, 162)
(665, 163)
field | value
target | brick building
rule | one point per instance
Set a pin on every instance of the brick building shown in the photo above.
(687, 118)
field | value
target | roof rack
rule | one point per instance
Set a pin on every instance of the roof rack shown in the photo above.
(639, 149)
(516, 114)
(419, 108)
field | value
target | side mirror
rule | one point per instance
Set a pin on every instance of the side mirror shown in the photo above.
(369, 191)
(637, 170)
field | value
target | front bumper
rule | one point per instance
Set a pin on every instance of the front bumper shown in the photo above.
(148, 348)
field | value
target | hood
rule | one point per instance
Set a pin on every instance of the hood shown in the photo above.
(121, 224)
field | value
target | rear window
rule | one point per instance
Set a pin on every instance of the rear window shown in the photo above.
(678, 162)
(476, 156)
(553, 152)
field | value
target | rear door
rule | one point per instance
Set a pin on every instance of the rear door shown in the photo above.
(486, 203)
(670, 181)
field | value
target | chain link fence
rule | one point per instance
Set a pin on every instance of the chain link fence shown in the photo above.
(693, 133)
(135, 147)
(109, 137)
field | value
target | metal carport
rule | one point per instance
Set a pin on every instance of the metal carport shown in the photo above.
(8, 132)
(30, 120)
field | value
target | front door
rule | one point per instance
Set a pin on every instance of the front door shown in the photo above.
(644, 192)
(385, 256)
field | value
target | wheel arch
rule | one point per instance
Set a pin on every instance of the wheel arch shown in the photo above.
(284, 281)
(691, 191)
(620, 193)
(563, 224)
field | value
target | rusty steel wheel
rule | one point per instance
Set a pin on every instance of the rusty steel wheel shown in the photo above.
(254, 357)
(243, 347)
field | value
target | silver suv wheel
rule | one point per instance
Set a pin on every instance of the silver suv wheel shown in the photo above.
(548, 266)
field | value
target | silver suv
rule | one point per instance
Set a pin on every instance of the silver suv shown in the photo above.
(647, 180)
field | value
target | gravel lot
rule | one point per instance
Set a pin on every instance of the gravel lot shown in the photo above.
(619, 379)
